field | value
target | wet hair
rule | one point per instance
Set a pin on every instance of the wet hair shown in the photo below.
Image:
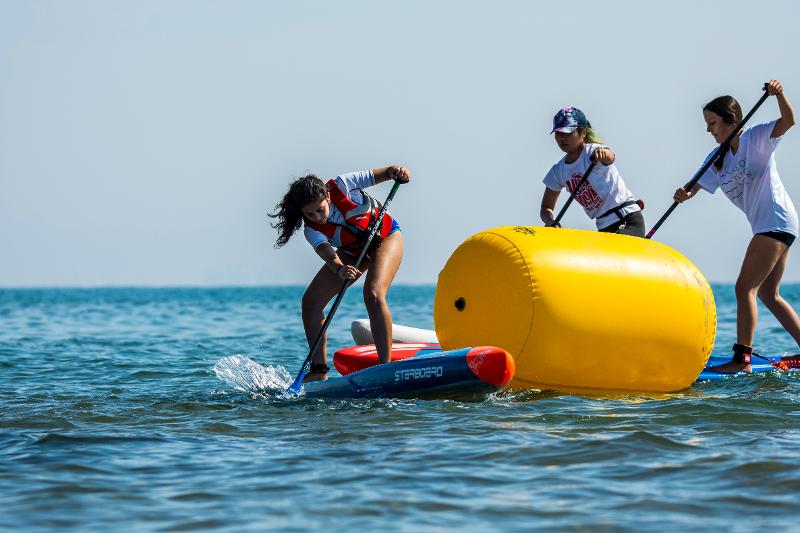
(289, 211)
(729, 110)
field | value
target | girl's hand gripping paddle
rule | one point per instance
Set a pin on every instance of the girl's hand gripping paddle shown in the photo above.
(722, 150)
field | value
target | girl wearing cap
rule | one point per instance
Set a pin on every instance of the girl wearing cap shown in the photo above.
(336, 216)
(603, 195)
(748, 176)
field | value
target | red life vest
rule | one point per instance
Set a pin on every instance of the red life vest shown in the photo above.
(358, 219)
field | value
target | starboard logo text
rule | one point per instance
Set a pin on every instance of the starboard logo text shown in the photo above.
(419, 373)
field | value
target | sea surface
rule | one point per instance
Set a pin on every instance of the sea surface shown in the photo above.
(112, 416)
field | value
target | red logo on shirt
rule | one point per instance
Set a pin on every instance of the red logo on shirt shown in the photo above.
(587, 196)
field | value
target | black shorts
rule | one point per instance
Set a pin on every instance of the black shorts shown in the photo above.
(782, 236)
(632, 224)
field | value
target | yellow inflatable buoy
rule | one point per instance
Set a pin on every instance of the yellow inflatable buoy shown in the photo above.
(578, 309)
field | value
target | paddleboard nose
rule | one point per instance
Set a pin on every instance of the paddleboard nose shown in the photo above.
(491, 364)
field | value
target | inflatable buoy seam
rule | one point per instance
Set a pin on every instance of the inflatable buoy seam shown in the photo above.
(530, 284)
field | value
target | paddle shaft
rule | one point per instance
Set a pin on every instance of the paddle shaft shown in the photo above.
(722, 150)
(574, 193)
(298, 382)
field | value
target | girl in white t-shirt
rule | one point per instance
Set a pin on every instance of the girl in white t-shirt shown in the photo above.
(747, 174)
(338, 241)
(603, 195)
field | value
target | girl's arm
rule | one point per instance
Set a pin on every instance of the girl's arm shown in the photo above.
(394, 172)
(334, 263)
(681, 195)
(786, 121)
(548, 205)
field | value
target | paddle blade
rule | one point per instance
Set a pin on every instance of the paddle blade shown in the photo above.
(296, 388)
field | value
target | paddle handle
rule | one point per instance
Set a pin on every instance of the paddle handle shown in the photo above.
(304, 369)
(720, 151)
(574, 193)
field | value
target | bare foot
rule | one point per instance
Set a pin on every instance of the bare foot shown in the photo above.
(731, 367)
(315, 376)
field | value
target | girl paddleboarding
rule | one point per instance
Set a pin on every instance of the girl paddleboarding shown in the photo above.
(600, 189)
(746, 172)
(336, 216)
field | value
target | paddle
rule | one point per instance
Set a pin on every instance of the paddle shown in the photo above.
(297, 387)
(723, 149)
(574, 192)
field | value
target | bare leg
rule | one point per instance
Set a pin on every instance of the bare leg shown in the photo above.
(769, 293)
(379, 277)
(320, 291)
(761, 259)
(783, 311)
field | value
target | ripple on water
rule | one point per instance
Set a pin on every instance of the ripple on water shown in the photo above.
(126, 406)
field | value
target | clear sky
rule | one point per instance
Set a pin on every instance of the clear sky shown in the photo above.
(143, 143)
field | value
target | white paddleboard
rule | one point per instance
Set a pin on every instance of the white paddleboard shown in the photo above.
(362, 333)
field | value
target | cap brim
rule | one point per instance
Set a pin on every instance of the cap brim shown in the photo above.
(566, 129)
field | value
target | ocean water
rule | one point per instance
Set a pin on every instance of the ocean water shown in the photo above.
(112, 416)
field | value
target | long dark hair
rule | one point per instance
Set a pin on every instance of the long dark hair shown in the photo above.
(727, 108)
(290, 209)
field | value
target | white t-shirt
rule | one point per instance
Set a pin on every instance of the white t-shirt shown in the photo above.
(350, 185)
(749, 178)
(603, 189)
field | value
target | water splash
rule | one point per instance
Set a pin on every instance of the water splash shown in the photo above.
(244, 374)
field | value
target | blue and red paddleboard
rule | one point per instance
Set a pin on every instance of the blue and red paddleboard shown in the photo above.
(355, 358)
(758, 365)
(417, 370)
